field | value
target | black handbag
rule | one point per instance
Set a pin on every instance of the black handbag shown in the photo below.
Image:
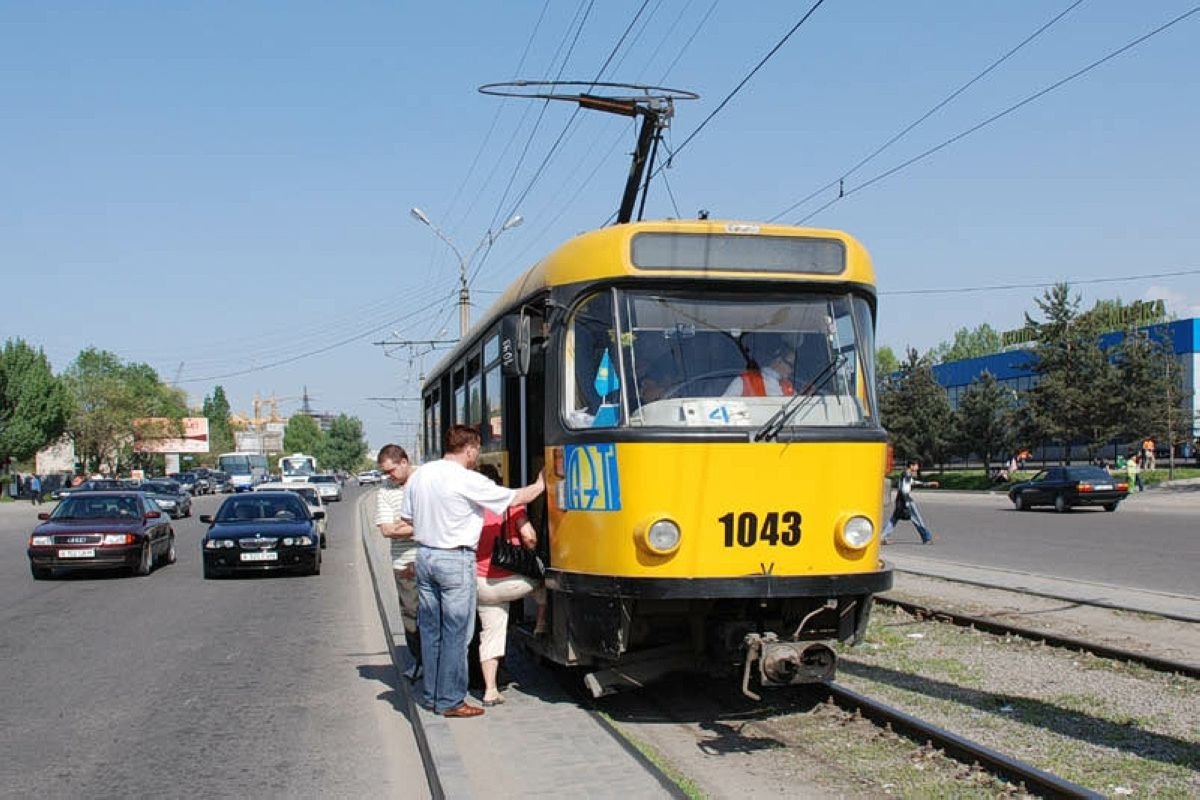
(514, 557)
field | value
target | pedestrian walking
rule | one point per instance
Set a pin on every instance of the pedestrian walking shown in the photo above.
(35, 490)
(389, 499)
(905, 506)
(444, 501)
(1133, 469)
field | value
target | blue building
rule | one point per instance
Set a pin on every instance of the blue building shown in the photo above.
(1014, 368)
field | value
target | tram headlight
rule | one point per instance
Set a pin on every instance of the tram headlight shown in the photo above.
(660, 537)
(857, 533)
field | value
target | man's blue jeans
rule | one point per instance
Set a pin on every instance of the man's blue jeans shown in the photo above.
(446, 618)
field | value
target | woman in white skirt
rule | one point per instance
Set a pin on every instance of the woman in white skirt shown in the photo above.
(498, 587)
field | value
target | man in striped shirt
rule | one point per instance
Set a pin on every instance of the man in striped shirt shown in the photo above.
(393, 463)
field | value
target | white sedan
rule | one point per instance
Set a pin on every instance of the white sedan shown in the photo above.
(310, 495)
(328, 486)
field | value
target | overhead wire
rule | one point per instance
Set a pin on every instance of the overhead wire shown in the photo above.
(308, 354)
(742, 83)
(495, 120)
(243, 349)
(936, 107)
(574, 114)
(1039, 285)
(563, 207)
(496, 215)
(1001, 114)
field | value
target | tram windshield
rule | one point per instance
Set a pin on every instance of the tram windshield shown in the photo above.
(688, 360)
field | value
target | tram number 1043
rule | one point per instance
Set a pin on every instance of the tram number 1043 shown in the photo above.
(775, 528)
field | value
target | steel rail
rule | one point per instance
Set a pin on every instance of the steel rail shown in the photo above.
(1054, 640)
(1030, 778)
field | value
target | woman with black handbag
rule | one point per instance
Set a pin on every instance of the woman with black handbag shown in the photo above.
(507, 568)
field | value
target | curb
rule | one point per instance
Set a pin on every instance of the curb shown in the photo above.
(444, 768)
(1181, 608)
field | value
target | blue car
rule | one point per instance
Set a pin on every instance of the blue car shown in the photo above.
(260, 532)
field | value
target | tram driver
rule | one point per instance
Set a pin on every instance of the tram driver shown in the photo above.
(773, 380)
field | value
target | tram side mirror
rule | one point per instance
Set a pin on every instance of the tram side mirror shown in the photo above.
(514, 344)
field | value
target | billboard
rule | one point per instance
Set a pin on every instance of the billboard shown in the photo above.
(163, 435)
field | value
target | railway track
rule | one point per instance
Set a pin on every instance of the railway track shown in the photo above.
(715, 706)
(1054, 640)
(1026, 777)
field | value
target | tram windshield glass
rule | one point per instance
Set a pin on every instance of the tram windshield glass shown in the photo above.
(688, 360)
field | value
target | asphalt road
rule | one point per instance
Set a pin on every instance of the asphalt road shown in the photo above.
(1151, 542)
(173, 686)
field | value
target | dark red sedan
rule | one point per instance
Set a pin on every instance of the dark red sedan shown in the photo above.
(102, 530)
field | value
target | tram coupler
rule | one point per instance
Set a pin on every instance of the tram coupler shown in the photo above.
(785, 663)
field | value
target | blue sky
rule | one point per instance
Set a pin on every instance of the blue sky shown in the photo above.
(222, 189)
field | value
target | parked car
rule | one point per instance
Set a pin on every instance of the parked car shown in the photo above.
(328, 486)
(1066, 487)
(311, 497)
(102, 530)
(169, 496)
(370, 477)
(258, 531)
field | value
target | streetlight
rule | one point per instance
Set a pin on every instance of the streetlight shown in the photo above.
(464, 293)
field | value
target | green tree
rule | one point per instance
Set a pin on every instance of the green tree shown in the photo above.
(981, 341)
(1153, 401)
(220, 431)
(885, 362)
(1076, 398)
(983, 421)
(34, 404)
(345, 445)
(916, 412)
(108, 395)
(303, 435)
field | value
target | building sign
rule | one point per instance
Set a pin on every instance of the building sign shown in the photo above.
(164, 435)
(1138, 313)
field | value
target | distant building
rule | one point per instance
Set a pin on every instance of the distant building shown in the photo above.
(1014, 368)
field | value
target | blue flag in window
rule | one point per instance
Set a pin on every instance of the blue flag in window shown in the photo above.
(606, 381)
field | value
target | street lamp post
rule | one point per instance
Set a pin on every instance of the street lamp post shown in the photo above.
(464, 292)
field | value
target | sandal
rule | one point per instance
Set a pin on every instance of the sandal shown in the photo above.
(495, 701)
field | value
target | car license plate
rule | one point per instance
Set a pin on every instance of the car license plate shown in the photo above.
(89, 553)
(266, 555)
(1103, 487)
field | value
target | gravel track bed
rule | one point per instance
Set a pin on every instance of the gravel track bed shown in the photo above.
(1121, 730)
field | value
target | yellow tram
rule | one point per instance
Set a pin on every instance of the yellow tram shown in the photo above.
(701, 397)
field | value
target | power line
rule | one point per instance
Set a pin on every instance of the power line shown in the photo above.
(542, 111)
(310, 353)
(743, 82)
(570, 121)
(836, 181)
(1001, 287)
(1001, 114)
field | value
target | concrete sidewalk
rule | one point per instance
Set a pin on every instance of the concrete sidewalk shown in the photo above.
(540, 743)
(1185, 608)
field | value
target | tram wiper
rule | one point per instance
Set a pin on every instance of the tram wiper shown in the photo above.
(772, 427)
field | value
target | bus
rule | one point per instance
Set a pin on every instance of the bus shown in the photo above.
(700, 395)
(245, 470)
(297, 468)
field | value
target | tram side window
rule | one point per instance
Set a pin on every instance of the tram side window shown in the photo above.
(591, 385)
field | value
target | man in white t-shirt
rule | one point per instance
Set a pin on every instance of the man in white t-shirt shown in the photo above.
(444, 500)
(389, 498)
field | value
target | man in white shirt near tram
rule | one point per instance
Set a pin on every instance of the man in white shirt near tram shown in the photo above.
(444, 500)
(393, 463)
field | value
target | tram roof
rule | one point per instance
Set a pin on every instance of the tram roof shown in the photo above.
(606, 253)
